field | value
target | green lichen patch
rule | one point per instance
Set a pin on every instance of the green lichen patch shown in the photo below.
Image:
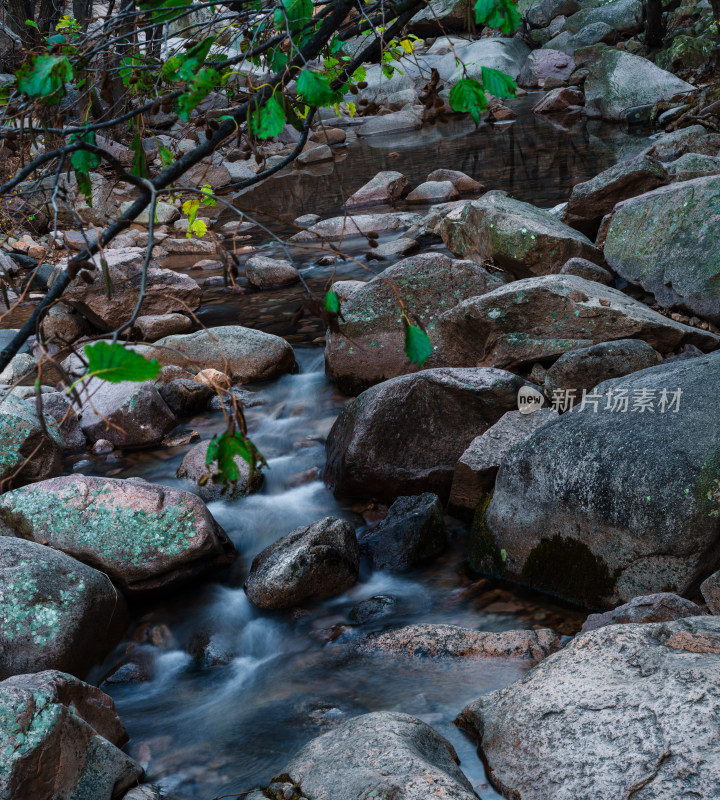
(485, 556)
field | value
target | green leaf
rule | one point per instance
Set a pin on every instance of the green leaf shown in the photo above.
(44, 78)
(468, 95)
(498, 83)
(206, 196)
(332, 302)
(502, 14)
(164, 10)
(190, 207)
(200, 87)
(171, 68)
(114, 363)
(417, 345)
(360, 74)
(224, 449)
(194, 58)
(166, 156)
(82, 161)
(267, 121)
(292, 14)
(198, 227)
(315, 89)
(139, 163)
(278, 60)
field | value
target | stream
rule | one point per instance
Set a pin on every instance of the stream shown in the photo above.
(228, 721)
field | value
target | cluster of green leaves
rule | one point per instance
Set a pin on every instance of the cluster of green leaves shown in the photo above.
(199, 79)
(43, 78)
(223, 451)
(500, 14)
(469, 95)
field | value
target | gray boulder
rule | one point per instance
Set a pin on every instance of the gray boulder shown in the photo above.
(143, 536)
(660, 607)
(369, 345)
(710, 589)
(412, 532)
(538, 319)
(385, 187)
(541, 14)
(619, 81)
(586, 367)
(591, 200)
(55, 613)
(622, 712)
(545, 63)
(586, 269)
(336, 229)
(320, 560)
(624, 16)
(693, 165)
(516, 236)
(185, 397)
(583, 508)
(587, 36)
(247, 355)
(29, 450)
(476, 470)
(666, 241)
(405, 436)
(391, 754)
(693, 139)
(61, 739)
(270, 273)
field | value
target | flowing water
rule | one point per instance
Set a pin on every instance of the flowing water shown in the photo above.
(228, 721)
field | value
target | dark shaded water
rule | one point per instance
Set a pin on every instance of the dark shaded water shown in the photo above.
(203, 730)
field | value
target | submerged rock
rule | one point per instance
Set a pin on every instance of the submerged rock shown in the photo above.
(392, 439)
(61, 738)
(452, 641)
(145, 537)
(622, 712)
(369, 346)
(55, 613)
(394, 755)
(412, 532)
(320, 560)
(516, 236)
(583, 509)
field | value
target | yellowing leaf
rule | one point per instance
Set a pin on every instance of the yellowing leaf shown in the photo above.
(407, 46)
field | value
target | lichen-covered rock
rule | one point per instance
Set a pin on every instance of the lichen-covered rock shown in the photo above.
(394, 755)
(660, 607)
(693, 139)
(369, 346)
(405, 436)
(128, 414)
(591, 200)
(55, 613)
(595, 33)
(545, 63)
(145, 537)
(586, 367)
(27, 452)
(693, 165)
(583, 510)
(542, 13)
(476, 470)
(194, 467)
(167, 290)
(516, 236)
(452, 641)
(320, 560)
(60, 739)
(541, 318)
(185, 397)
(624, 16)
(626, 711)
(710, 589)
(685, 52)
(666, 241)
(412, 532)
(270, 273)
(619, 81)
(586, 269)
(247, 355)
(385, 187)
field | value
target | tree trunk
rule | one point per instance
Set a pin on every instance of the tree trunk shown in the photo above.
(654, 28)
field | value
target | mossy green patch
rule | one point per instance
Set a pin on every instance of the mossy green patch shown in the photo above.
(485, 555)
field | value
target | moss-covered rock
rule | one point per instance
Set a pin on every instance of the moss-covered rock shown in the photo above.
(685, 52)
(145, 537)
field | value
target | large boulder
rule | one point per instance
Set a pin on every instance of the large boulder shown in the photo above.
(624, 16)
(584, 509)
(619, 81)
(660, 607)
(143, 536)
(55, 613)
(516, 236)
(166, 290)
(127, 414)
(591, 200)
(61, 739)
(541, 318)
(320, 560)
(405, 436)
(506, 55)
(666, 241)
(29, 450)
(626, 711)
(594, 33)
(247, 355)
(412, 532)
(369, 345)
(385, 754)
